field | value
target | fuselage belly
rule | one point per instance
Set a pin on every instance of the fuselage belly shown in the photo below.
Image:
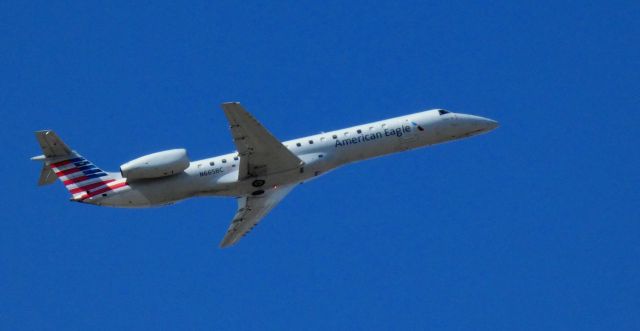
(321, 153)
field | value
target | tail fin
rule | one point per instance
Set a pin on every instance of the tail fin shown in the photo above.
(81, 177)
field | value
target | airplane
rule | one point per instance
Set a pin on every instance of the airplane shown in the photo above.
(259, 174)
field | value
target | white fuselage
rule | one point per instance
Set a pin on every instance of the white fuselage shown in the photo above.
(321, 153)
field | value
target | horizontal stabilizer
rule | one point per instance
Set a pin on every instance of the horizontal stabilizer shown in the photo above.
(47, 176)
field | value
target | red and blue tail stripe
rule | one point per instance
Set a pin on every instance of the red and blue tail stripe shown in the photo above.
(65, 162)
(83, 179)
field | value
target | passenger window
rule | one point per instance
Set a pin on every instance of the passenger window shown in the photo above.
(212, 163)
(335, 137)
(310, 142)
(235, 158)
(224, 160)
(359, 131)
(298, 144)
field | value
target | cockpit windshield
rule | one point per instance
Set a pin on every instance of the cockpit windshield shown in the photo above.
(443, 112)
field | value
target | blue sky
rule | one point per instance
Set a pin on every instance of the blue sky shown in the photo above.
(534, 226)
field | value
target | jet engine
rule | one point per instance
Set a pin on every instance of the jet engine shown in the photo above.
(161, 164)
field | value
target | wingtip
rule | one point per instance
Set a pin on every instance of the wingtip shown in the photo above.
(224, 245)
(43, 132)
(227, 242)
(230, 107)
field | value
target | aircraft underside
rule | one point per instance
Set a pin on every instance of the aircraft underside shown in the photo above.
(259, 174)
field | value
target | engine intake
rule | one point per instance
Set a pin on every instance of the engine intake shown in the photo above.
(156, 165)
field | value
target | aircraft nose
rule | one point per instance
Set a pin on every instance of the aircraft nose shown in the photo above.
(488, 124)
(477, 123)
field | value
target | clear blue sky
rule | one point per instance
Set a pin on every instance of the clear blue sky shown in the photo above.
(532, 227)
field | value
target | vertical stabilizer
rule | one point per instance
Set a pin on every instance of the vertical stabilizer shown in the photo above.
(80, 176)
(51, 145)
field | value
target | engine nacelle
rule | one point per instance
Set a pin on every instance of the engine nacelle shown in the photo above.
(161, 164)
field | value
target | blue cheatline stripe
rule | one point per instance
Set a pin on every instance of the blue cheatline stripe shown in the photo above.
(92, 171)
(87, 167)
(96, 175)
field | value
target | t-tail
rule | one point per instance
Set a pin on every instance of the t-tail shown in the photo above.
(80, 176)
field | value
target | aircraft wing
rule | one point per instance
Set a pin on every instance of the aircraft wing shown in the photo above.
(260, 152)
(251, 209)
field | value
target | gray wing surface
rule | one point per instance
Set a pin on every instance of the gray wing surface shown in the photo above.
(251, 209)
(260, 152)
